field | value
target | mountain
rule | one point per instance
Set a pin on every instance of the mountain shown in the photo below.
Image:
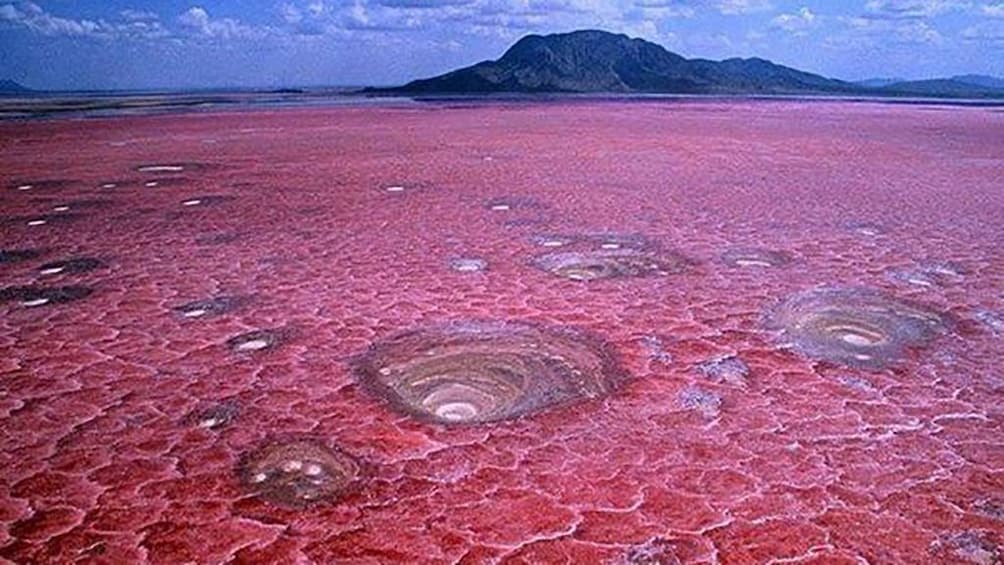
(10, 87)
(980, 80)
(943, 87)
(878, 82)
(598, 61)
(964, 86)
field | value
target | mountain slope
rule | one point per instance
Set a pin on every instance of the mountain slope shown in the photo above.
(598, 61)
(8, 86)
(943, 87)
(980, 80)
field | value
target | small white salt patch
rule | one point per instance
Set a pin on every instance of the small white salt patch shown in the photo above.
(52, 270)
(292, 465)
(208, 423)
(611, 246)
(253, 345)
(752, 263)
(385, 371)
(856, 340)
(394, 189)
(35, 302)
(193, 202)
(489, 159)
(26, 187)
(919, 282)
(194, 313)
(63, 208)
(37, 223)
(552, 243)
(162, 169)
(109, 185)
(457, 411)
(312, 470)
(500, 207)
(259, 478)
(151, 184)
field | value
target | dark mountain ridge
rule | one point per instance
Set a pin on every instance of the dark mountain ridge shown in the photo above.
(8, 86)
(598, 61)
(593, 61)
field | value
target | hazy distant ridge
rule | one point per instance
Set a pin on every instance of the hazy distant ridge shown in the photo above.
(8, 86)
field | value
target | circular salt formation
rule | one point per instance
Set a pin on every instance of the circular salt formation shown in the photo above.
(209, 307)
(19, 255)
(609, 264)
(213, 416)
(468, 265)
(596, 241)
(483, 371)
(507, 203)
(70, 266)
(297, 473)
(164, 168)
(753, 257)
(32, 296)
(206, 200)
(855, 327)
(254, 342)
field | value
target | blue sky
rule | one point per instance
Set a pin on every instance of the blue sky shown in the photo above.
(68, 44)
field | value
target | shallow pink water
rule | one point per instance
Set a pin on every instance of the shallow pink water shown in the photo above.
(800, 460)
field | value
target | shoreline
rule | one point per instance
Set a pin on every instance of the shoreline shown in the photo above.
(114, 105)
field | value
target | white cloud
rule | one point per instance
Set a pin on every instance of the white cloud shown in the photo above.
(198, 21)
(880, 33)
(991, 32)
(133, 24)
(993, 10)
(737, 7)
(797, 24)
(912, 9)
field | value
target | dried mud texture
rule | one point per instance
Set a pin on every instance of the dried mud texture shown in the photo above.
(855, 327)
(125, 422)
(483, 371)
(297, 473)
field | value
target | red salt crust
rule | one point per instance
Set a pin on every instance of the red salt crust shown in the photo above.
(802, 460)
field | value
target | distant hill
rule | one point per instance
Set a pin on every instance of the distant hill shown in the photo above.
(10, 87)
(944, 87)
(980, 80)
(878, 82)
(973, 86)
(598, 61)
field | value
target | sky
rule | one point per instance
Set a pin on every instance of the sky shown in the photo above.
(132, 44)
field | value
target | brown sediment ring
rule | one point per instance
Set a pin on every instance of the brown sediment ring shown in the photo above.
(298, 472)
(856, 327)
(475, 372)
(597, 265)
(755, 257)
